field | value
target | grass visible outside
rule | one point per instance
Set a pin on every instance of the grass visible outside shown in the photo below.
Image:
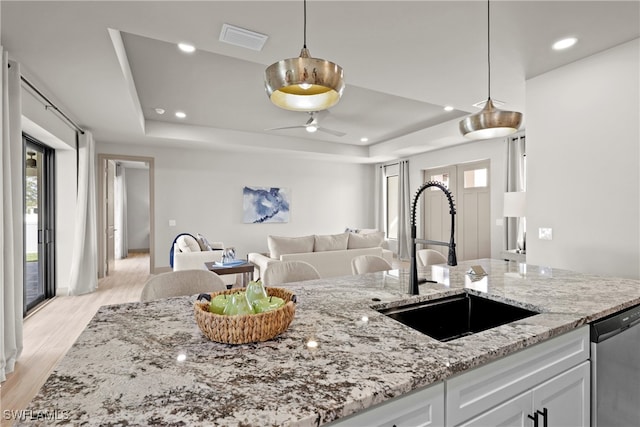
(32, 256)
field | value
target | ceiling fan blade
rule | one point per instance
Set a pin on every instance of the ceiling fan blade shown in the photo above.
(320, 114)
(287, 127)
(331, 131)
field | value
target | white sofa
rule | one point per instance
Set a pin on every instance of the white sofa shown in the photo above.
(330, 254)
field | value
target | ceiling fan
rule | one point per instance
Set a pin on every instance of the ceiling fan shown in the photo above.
(312, 125)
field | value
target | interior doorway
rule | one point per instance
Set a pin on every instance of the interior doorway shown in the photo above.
(125, 211)
(470, 185)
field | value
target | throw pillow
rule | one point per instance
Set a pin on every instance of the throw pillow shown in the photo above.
(289, 245)
(188, 244)
(361, 241)
(367, 230)
(332, 242)
(203, 242)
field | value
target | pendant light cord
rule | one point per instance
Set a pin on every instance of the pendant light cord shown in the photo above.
(488, 51)
(304, 40)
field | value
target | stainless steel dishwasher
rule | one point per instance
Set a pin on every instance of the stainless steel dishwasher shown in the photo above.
(615, 370)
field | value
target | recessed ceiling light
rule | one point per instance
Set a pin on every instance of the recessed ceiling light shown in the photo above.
(564, 43)
(180, 114)
(448, 108)
(159, 110)
(186, 47)
(364, 139)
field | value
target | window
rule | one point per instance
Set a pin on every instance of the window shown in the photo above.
(475, 178)
(392, 206)
(443, 178)
(390, 182)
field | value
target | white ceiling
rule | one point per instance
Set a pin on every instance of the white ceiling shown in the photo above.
(109, 64)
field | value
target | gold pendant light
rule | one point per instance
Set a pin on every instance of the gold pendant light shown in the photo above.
(490, 122)
(304, 83)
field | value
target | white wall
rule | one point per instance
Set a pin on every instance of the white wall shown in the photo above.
(137, 208)
(583, 155)
(494, 150)
(202, 191)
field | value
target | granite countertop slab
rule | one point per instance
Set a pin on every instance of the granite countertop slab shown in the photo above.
(149, 364)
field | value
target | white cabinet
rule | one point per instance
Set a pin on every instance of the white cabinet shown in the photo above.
(553, 375)
(561, 401)
(420, 408)
(511, 413)
(544, 371)
(566, 397)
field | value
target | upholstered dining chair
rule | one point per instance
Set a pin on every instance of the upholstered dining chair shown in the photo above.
(179, 283)
(289, 271)
(427, 257)
(369, 264)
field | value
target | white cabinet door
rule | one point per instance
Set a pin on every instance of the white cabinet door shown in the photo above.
(566, 398)
(512, 413)
(421, 408)
(475, 392)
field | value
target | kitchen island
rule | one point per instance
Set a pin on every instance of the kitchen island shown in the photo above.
(149, 364)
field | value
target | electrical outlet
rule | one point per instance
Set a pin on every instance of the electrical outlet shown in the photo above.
(545, 233)
(172, 223)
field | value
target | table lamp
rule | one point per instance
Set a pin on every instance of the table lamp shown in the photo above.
(515, 203)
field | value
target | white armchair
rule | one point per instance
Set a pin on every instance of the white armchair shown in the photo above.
(194, 260)
(188, 254)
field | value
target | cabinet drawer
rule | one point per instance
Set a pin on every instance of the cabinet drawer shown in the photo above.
(420, 408)
(474, 392)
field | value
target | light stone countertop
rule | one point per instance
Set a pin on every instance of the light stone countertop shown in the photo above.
(124, 368)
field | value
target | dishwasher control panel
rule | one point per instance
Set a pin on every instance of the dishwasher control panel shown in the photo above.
(611, 325)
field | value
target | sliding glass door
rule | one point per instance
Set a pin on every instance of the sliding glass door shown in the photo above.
(39, 220)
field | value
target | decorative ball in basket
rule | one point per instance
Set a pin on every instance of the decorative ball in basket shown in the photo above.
(245, 328)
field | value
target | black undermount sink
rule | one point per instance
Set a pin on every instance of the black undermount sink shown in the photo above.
(448, 318)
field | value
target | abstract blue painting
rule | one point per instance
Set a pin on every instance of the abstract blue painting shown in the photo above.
(265, 204)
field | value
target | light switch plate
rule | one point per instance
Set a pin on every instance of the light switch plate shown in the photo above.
(545, 233)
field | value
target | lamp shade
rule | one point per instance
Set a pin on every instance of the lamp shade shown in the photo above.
(490, 122)
(304, 83)
(515, 203)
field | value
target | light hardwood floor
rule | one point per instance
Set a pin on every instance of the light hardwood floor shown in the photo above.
(51, 331)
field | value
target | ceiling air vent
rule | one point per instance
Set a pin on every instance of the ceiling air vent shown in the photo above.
(242, 37)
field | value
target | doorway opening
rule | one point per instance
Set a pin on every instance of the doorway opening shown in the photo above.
(126, 213)
(39, 220)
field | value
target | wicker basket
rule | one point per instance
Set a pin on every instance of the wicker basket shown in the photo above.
(241, 329)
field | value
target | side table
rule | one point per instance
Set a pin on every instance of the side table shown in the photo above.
(245, 269)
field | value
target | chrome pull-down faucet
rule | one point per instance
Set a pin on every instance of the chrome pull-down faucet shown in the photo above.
(452, 259)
